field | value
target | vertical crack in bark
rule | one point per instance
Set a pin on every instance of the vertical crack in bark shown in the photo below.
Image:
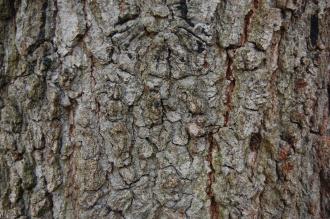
(55, 23)
(314, 30)
(71, 122)
(214, 205)
(41, 35)
(184, 12)
(72, 187)
(328, 90)
(168, 59)
(92, 67)
(247, 21)
(229, 90)
(80, 37)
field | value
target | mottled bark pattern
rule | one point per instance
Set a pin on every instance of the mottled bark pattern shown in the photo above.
(164, 109)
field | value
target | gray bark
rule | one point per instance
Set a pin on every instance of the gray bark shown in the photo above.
(164, 109)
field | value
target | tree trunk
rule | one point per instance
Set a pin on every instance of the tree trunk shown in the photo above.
(164, 109)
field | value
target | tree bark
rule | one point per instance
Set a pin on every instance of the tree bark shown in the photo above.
(164, 109)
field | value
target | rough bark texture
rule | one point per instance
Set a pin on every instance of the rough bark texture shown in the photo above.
(164, 109)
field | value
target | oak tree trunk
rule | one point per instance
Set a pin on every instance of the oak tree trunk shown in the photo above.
(164, 109)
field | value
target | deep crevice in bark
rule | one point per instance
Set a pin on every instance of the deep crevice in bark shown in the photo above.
(214, 205)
